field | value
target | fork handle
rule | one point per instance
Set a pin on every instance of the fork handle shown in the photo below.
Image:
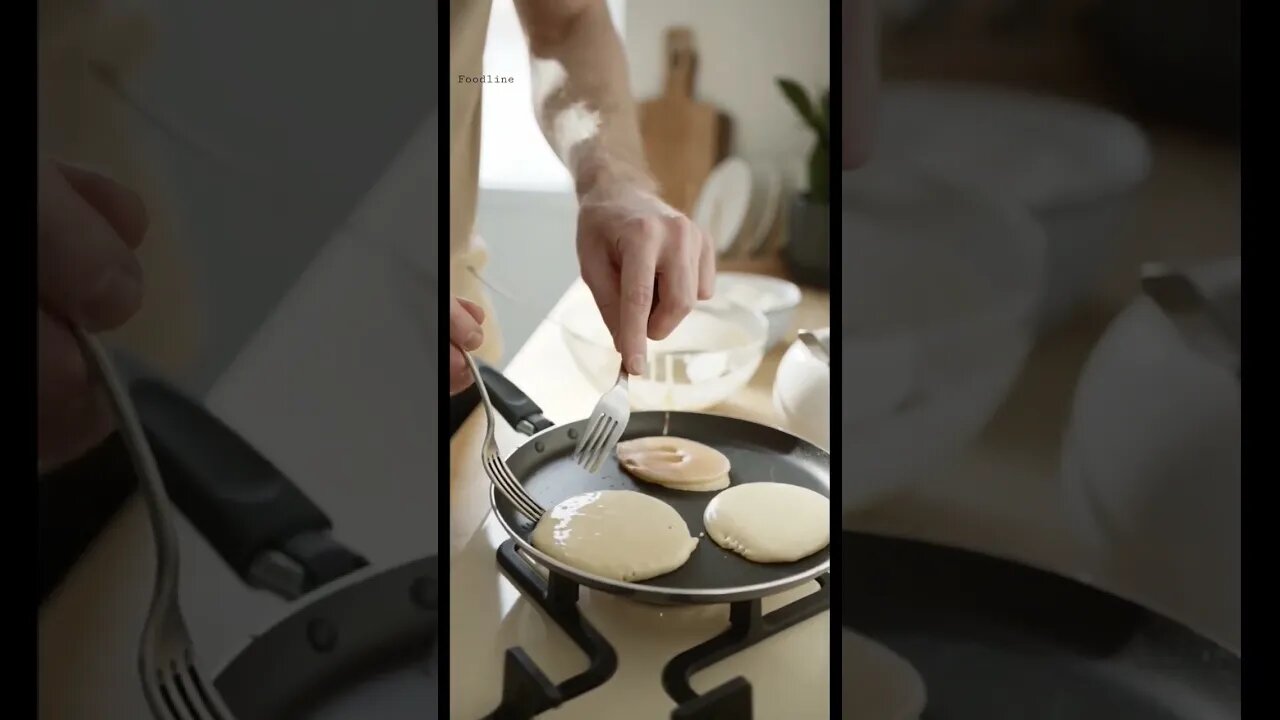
(518, 409)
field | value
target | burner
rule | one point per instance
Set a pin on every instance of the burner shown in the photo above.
(526, 690)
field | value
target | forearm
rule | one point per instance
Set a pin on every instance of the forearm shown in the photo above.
(581, 93)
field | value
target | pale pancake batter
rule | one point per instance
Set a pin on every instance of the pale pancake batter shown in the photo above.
(675, 463)
(618, 534)
(769, 522)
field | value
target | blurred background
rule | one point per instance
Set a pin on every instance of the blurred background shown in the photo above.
(1041, 293)
(150, 92)
(1170, 67)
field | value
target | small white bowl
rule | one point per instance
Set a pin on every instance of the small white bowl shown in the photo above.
(1076, 167)
(1151, 464)
(802, 392)
(776, 298)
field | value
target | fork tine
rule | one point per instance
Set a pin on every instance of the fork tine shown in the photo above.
(534, 511)
(173, 694)
(612, 442)
(601, 445)
(157, 693)
(520, 503)
(502, 476)
(506, 482)
(189, 693)
(208, 693)
(599, 441)
(581, 453)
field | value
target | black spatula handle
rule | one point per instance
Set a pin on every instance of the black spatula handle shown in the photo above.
(243, 505)
(511, 403)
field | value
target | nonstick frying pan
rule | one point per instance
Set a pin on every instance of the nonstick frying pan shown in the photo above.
(757, 453)
(996, 640)
(361, 643)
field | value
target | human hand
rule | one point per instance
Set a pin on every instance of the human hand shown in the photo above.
(465, 331)
(87, 227)
(645, 263)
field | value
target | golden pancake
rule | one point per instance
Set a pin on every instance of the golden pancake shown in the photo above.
(675, 462)
(769, 522)
(618, 534)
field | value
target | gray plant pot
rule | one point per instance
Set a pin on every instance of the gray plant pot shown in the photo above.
(808, 249)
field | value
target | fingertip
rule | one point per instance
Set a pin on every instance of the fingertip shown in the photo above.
(114, 299)
(635, 364)
(464, 329)
(660, 329)
(120, 205)
(460, 377)
(473, 309)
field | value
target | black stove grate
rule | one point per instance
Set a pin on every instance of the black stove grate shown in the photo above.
(526, 690)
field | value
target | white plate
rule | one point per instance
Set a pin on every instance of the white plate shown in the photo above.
(724, 202)
(775, 297)
(769, 198)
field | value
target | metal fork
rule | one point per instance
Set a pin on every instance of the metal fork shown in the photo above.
(605, 426)
(172, 683)
(494, 466)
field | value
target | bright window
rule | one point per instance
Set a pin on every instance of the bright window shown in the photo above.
(514, 153)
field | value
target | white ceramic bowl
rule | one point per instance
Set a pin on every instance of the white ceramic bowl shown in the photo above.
(775, 297)
(802, 392)
(711, 355)
(1078, 168)
(1151, 466)
(940, 284)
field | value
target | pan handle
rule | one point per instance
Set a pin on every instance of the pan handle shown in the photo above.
(518, 409)
(261, 524)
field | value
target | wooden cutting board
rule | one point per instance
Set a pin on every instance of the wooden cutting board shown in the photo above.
(683, 138)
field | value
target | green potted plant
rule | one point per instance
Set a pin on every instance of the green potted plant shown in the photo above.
(808, 248)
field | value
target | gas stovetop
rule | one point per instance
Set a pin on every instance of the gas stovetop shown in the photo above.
(560, 650)
(527, 691)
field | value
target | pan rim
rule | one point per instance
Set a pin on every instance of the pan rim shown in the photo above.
(310, 601)
(733, 594)
(1083, 579)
